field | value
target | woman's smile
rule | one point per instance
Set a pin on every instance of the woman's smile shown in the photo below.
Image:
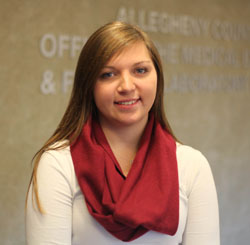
(127, 104)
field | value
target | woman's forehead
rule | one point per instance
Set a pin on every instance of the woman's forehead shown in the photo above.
(135, 52)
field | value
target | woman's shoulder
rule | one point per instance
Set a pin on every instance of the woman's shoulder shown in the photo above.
(55, 176)
(187, 155)
(59, 148)
(191, 164)
(57, 158)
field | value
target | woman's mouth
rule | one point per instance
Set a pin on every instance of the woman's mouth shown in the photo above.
(130, 102)
(127, 102)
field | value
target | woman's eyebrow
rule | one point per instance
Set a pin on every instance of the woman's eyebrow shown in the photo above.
(142, 62)
(109, 67)
(135, 64)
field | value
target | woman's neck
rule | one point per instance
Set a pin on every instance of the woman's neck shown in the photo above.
(124, 142)
(129, 135)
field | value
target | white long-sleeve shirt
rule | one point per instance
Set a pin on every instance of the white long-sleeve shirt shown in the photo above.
(67, 220)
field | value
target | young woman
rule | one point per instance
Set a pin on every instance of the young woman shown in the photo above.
(113, 171)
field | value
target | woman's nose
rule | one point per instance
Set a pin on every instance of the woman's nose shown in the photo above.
(126, 83)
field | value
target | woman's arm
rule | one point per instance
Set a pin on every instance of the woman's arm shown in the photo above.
(55, 193)
(202, 226)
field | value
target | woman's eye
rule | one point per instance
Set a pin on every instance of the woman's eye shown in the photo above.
(106, 75)
(141, 70)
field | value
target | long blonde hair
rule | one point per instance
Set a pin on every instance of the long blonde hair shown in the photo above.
(108, 40)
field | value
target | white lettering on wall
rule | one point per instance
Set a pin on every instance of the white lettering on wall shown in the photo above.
(207, 56)
(201, 82)
(169, 53)
(48, 85)
(62, 45)
(162, 22)
(76, 45)
(175, 53)
(48, 45)
(59, 46)
(228, 31)
(67, 80)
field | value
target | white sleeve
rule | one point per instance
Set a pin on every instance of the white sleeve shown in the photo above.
(55, 226)
(202, 227)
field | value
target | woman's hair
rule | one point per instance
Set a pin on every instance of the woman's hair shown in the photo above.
(108, 40)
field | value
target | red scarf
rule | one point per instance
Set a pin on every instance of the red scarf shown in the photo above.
(147, 199)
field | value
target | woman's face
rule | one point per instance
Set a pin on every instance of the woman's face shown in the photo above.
(126, 87)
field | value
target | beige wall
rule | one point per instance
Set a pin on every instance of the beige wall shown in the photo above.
(205, 46)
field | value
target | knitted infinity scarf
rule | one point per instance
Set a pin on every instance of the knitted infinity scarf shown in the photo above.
(147, 199)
